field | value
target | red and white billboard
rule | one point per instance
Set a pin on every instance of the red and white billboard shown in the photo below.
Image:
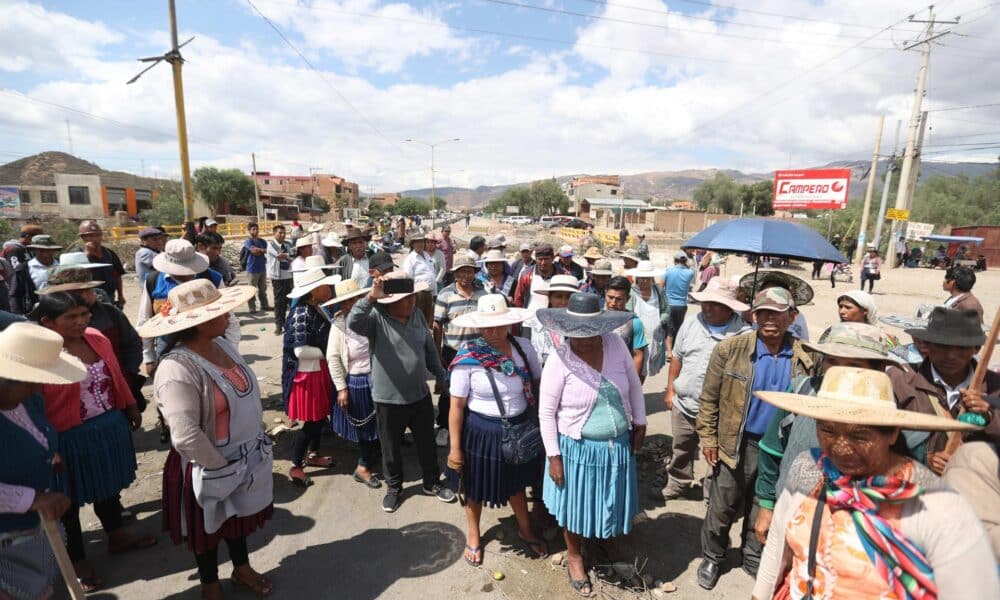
(822, 189)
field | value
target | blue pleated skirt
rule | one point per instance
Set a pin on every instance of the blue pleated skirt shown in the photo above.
(486, 477)
(99, 457)
(359, 408)
(27, 566)
(600, 494)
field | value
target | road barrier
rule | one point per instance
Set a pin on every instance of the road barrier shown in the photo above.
(571, 234)
(233, 229)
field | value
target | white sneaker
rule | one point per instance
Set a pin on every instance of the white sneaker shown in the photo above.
(442, 438)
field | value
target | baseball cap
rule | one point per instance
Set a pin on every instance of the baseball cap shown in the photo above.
(680, 255)
(211, 222)
(565, 251)
(776, 299)
(381, 261)
(525, 246)
(149, 232)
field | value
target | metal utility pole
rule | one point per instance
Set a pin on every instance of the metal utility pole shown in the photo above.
(69, 137)
(176, 61)
(863, 232)
(885, 192)
(432, 146)
(917, 152)
(256, 191)
(903, 192)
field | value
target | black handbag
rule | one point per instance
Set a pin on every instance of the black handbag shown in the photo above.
(522, 442)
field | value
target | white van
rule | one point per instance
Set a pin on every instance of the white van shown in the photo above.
(520, 220)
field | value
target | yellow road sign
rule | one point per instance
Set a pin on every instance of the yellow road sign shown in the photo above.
(897, 214)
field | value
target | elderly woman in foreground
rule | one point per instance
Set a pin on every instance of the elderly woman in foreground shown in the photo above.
(593, 419)
(859, 519)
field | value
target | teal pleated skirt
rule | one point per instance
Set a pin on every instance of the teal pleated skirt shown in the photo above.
(99, 457)
(600, 493)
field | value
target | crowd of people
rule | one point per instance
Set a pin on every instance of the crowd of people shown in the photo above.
(849, 467)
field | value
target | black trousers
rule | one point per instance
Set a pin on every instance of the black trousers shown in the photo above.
(393, 419)
(675, 320)
(731, 496)
(208, 563)
(444, 399)
(308, 438)
(281, 288)
(109, 512)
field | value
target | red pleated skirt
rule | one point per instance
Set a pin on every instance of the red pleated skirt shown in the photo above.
(178, 492)
(311, 395)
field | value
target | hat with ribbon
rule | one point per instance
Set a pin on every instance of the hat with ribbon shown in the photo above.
(463, 261)
(951, 327)
(582, 317)
(602, 267)
(643, 269)
(852, 340)
(67, 279)
(179, 258)
(801, 291)
(303, 241)
(560, 283)
(331, 240)
(32, 353)
(44, 241)
(722, 291)
(492, 311)
(345, 290)
(192, 303)
(78, 259)
(494, 256)
(593, 253)
(309, 279)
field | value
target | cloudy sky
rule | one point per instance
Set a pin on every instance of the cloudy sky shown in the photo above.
(532, 88)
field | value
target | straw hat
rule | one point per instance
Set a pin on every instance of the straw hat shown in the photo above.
(313, 263)
(602, 267)
(492, 311)
(352, 233)
(593, 253)
(463, 261)
(392, 298)
(494, 256)
(852, 340)
(331, 240)
(67, 279)
(32, 353)
(44, 241)
(583, 317)
(311, 278)
(801, 291)
(195, 302)
(303, 241)
(78, 259)
(859, 397)
(643, 269)
(722, 291)
(179, 258)
(345, 290)
(315, 228)
(561, 283)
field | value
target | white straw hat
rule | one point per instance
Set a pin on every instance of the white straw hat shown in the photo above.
(494, 256)
(195, 302)
(643, 269)
(331, 240)
(315, 228)
(492, 311)
(561, 283)
(312, 277)
(179, 258)
(302, 242)
(345, 290)
(79, 259)
(859, 397)
(32, 353)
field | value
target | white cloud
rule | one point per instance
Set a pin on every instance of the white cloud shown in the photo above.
(35, 39)
(545, 116)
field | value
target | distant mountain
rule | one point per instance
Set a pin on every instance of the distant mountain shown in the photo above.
(680, 185)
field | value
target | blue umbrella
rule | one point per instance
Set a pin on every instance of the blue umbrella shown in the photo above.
(766, 237)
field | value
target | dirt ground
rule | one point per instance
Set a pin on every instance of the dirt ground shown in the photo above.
(333, 540)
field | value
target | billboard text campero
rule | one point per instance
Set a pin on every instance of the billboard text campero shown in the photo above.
(821, 189)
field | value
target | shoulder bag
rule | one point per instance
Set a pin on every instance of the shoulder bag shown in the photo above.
(522, 442)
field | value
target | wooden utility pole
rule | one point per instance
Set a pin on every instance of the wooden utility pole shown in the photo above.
(903, 192)
(175, 60)
(256, 190)
(863, 233)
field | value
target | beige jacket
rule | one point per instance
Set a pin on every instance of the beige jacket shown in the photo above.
(336, 352)
(940, 522)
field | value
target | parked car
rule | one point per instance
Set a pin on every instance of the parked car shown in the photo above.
(576, 224)
(520, 220)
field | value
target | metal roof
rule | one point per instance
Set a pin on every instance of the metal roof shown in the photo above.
(617, 202)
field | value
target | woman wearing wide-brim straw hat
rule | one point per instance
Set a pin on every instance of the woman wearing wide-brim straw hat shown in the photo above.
(353, 412)
(306, 387)
(593, 419)
(857, 518)
(29, 357)
(476, 464)
(210, 399)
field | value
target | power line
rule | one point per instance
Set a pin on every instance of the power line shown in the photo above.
(774, 14)
(964, 150)
(970, 107)
(323, 77)
(974, 122)
(672, 28)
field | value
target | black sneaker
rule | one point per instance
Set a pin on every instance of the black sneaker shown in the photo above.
(391, 501)
(443, 492)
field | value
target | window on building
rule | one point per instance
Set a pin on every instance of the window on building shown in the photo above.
(267, 182)
(25, 196)
(143, 200)
(79, 195)
(49, 197)
(116, 200)
(614, 192)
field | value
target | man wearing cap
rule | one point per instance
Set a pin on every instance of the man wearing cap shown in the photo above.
(211, 248)
(211, 229)
(303, 250)
(44, 248)
(950, 342)
(254, 255)
(420, 268)
(454, 301)
(720, 318)
(643, 247)
(354, 263)
(567, 263)
(597, 279)
(279, 271)
(677, 284)
(497, 279)
(379, 264)
(402, 353)
(731, 421)
(93, 236)
(151, 242)
(523, 260)
(536, 278)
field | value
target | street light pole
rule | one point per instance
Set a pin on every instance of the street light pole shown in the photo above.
(432, 146)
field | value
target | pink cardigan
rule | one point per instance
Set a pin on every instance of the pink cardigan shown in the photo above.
(569, 390)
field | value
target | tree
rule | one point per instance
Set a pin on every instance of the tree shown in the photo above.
(541, 198)
(217, 187)
(719, 194)
(758, 198)
(411, 206)
(168, 205)
(376, 210)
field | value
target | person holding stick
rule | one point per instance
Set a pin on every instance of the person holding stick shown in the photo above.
(30, 356)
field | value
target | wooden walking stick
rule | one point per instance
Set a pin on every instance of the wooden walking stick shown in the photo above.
(62, 558)
(955, 437)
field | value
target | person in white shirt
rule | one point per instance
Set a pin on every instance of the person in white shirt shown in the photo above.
(45, 250)
(303, 250)
(420, 267)
(437, 256)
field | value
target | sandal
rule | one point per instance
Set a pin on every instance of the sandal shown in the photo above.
(373, 481)
(315, 460)
(579, 584)
(260, 585)
(530, 544)
(91, 583)
(472, 561)
(299, 477)
(138, 543)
